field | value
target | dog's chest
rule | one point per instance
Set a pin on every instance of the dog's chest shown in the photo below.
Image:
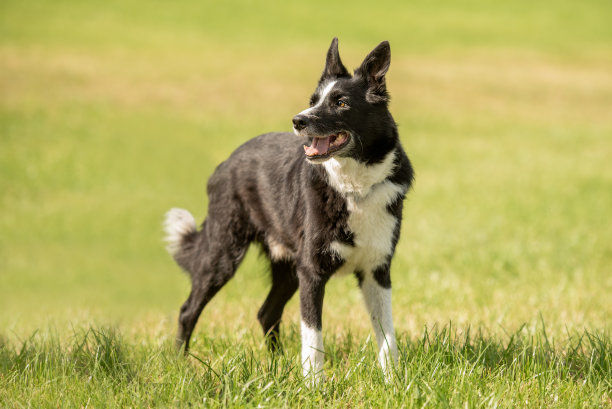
(373, 229)
(369, 220)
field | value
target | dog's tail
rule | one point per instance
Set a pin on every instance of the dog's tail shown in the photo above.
(181, 230)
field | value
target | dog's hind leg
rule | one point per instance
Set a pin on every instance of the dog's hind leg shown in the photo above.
(216, 254)
(201, 293)
(284, 285)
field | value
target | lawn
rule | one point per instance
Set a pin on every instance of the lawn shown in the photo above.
(113, 112)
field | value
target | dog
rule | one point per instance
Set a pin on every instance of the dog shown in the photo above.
(324, 200)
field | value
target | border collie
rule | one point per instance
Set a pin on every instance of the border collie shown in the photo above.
(326, 199)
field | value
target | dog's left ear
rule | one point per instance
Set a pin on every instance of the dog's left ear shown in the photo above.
(373, 70)
(333, 65)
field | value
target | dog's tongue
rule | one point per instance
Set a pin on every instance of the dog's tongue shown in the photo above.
(319, 146)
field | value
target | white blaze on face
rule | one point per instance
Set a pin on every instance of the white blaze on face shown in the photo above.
(328, 87)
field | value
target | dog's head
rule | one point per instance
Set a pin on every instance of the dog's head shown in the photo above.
(348, 115)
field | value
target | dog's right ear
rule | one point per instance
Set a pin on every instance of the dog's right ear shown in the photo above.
(333, 65)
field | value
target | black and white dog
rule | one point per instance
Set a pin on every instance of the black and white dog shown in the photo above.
(329, 207)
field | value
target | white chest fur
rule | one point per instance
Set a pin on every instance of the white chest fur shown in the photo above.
(367, 195)
(372, 227)
(350, 177)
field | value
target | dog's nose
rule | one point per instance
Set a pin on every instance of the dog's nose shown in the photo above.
(300, 122)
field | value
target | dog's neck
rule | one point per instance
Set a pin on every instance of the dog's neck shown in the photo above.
(350, 177)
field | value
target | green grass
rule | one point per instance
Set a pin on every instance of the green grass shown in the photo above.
(442, 368)
(112, 113)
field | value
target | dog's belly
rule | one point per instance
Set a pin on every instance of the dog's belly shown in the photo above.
(373, 229)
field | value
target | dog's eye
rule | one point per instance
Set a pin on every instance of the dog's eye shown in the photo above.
(313, 101)
(341, 103)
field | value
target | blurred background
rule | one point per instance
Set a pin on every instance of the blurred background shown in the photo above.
(113, 112)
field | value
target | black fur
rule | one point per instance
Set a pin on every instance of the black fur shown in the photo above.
(268, 192)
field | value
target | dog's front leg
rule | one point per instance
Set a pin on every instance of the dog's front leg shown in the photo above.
(376, 289)
(312, 290)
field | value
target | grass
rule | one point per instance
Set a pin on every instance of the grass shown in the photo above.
(442, 368)
(112, 113)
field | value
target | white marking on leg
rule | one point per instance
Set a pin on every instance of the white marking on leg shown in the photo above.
(378, 303)
(312, 353)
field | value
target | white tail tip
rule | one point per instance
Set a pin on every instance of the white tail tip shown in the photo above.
(178, 224)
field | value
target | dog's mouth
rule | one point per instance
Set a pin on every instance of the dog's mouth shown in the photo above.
(322, 148)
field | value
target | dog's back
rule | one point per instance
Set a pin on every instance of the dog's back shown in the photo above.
(256, 195)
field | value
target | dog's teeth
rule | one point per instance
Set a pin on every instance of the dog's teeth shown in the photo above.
(340, 138)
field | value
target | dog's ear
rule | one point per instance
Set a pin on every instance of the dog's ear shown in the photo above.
(373, 70)
(333, 65)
